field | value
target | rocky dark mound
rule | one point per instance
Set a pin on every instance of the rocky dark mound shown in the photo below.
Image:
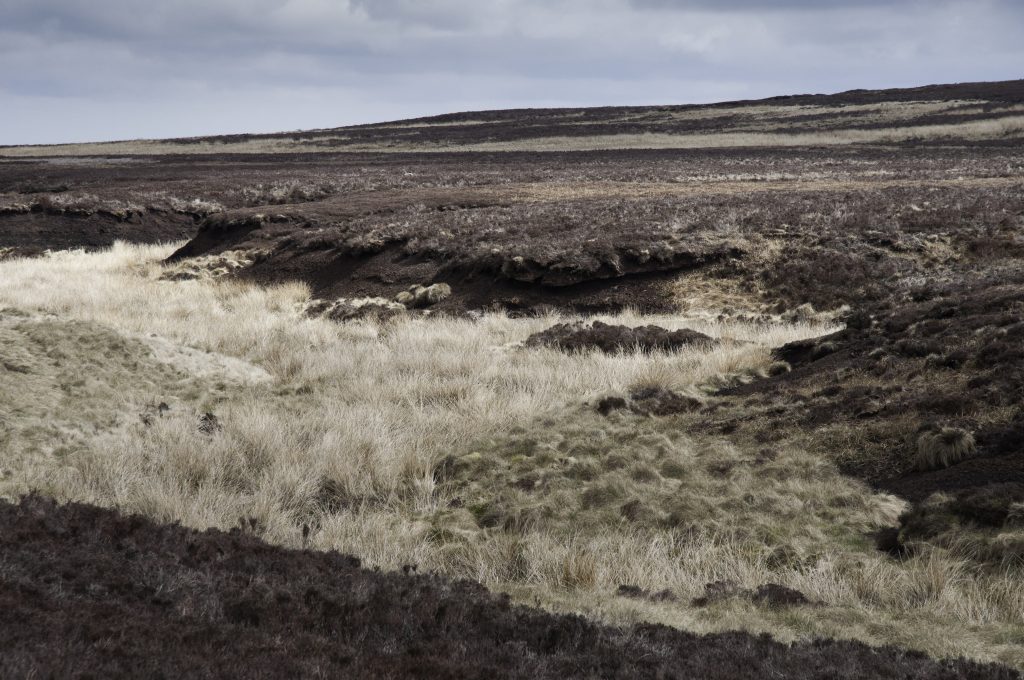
(613, 339)
(86, 592)
(30, 224)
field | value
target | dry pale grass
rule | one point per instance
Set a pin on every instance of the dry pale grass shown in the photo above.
(344, 428)
(736, 184)
(152, 147)
(974, 130)
(876, 112)
(943, 447)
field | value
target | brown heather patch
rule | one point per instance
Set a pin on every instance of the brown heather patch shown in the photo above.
(131, 598)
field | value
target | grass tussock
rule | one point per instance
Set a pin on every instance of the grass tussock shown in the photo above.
(448, 444)
(941, 447)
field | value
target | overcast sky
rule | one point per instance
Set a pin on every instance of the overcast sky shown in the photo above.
(87, 70)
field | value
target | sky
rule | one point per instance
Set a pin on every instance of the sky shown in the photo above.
(94, 70)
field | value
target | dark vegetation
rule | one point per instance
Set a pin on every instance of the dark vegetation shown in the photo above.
(954, 359)
(923, 391)
(532, 123)
(129, 598)
(612, 339)
(769, 595)
(652, 400)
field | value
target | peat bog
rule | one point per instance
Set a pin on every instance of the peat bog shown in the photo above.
(802, 320)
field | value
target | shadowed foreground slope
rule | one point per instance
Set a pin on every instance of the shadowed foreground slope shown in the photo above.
(130, 598)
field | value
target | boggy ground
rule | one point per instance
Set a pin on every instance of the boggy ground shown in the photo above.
(542, 473)
(128, 597)
(922, 395)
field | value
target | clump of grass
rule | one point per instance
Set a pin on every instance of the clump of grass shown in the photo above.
(207, 266)
(940, 447)
(579, 570)
(286, 192)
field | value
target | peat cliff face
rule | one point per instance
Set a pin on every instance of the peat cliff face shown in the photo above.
(490, 246)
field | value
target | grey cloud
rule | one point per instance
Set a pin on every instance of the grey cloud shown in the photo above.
(207, 66)
(738, 5)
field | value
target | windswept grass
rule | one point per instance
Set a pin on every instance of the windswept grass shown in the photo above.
(445, 443)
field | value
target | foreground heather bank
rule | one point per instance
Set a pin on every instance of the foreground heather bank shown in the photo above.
(86, 592)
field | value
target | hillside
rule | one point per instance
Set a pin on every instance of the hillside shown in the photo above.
(940, 114)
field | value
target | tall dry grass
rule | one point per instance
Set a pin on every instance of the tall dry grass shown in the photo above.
(341, 429)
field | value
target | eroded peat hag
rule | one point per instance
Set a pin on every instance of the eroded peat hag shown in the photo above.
(828, 243)
(772, 389)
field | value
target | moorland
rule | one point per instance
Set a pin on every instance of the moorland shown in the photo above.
(732, 389)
